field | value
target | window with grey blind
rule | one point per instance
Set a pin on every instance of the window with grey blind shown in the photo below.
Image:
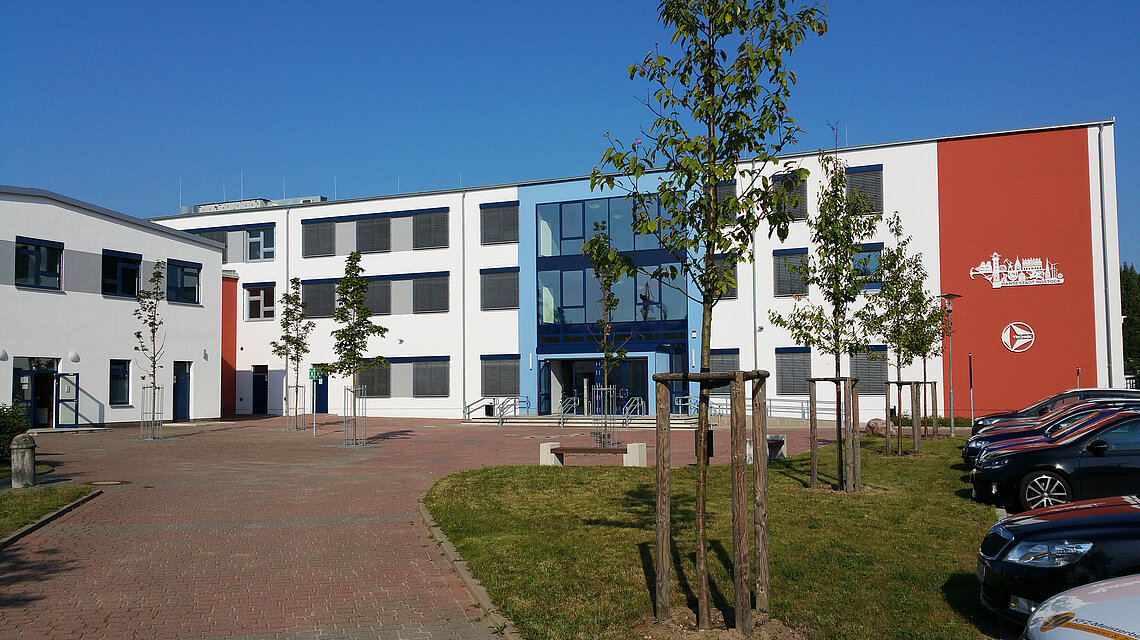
(318, 239)
(868, 181)
(798, 189)
(377, 382)
(723, 360)
(379, 297)
(871, 371)
(429, 230)
(793, 368)
(499, 290)
(430, 379)
(724, 190)
(374, 235)
(429, 295)
(216, 236)
(500, 378)
(786, 281)
(319, 299)
(499, 225)
(728, 270)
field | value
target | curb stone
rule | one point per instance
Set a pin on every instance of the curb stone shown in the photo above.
(47, 519)
(459, 565)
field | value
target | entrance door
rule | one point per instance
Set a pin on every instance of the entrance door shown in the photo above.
(260, 389)
(321, 395)
(67, 400)
(544, 388)
(33, 388)
(181, 391)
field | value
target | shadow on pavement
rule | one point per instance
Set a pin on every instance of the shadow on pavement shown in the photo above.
(16, 569)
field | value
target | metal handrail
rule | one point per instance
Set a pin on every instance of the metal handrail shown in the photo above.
(684, 404)
(467, 409)
(569, 406)
(635, 406)
(501, 409)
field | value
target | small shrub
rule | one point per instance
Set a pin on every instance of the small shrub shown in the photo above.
(13, 421)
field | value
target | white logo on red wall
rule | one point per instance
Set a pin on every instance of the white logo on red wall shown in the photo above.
(1018, 273)
(1017, 337)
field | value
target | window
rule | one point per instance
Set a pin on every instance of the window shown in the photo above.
(430, 379)
(723, 360)
(220, 237)
(793, 368)
(871, 371)
(318, 239)
(182, 281)
(867, 181)
(379, 297)
(498, 289)
(121, 273)
(377, 382)
(374, 235)
(1125, 437)
(867, 265)
(499, 223)
(39, 263)
(319, 299)
(788, 282)
(259, 244)
(797, 189)
(429, 295)
(259, 302)
(727, 270)
(429, 230)
(120, 383)
(500, 376)
(725, 190)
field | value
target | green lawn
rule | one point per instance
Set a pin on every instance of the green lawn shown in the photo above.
(567, 552)
(18, 508)
(6, 470)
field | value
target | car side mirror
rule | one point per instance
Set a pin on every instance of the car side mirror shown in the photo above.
(1098, 447)
(1042, 411)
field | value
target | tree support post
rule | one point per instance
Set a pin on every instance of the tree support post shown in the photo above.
(661, 602)
(742, 592)
(934, 406)
(887, 416)
(856, 439)
(760, 488)
(916, 393)
(813, 435)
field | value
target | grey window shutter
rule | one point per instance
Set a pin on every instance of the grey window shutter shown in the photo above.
(429, 230)
(800, 210)
(379, 297)
(377, 382)
(374, 235)
(869, 183)
(318, 239)
(499, 290)
(792, 372)
(429, 295)
(500, 378)
(430, 379)
(872, 373)
(499, 224)
(725, 190)
(787, 282)
(319, 299)
(723, 362)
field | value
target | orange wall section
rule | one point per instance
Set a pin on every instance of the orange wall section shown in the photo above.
(1021, 195)
(230, 308)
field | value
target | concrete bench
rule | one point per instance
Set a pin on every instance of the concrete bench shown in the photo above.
(777, 448)
(553, 454)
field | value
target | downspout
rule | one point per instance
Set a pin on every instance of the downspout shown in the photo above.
(463, 302)
(1104, 254)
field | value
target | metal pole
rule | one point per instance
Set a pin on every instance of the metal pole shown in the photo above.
(950, 355)
(313, 385)
(971, 361)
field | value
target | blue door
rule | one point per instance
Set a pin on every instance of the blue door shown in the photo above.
(321, 395)
(260, 392)
(544, 387)
(67, 399)
(181, 392)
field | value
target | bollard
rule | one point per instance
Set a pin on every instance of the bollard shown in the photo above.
(23, 461)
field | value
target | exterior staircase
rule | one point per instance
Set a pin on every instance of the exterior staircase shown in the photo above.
(584, 422)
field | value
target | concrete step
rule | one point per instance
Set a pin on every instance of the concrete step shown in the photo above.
(583, 422)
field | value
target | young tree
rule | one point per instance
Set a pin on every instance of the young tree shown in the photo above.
(1130, 308)
(295, 330)
(356, 326)
(723, 97)
(149, 344)
(603, 257)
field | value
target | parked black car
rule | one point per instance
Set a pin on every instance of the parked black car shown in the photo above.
(1052, 403)
(1101, 458)
(1028, 558)
(1051, 425)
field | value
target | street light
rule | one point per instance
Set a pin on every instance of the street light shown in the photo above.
(950, 298)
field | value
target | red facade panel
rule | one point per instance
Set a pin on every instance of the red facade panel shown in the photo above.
(1027, 314)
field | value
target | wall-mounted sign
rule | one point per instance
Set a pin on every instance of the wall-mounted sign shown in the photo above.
(1020, 272)
(1017, 337)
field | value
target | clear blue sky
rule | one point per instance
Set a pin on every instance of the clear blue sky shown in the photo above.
(117, 102)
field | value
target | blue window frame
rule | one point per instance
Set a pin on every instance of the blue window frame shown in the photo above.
(119, 392)
(182, 280)
(867, 265)
(39, 263)
(121, 273)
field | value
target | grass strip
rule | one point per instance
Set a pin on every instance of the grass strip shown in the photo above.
(567, 552)
(19, 508)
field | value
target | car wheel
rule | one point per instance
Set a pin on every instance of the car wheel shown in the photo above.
(1043, 489)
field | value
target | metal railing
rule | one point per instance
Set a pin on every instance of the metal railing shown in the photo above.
(569, 406)
(512, 405)
(470, 408)
(635, 406)
(150, 424)
(355, 423)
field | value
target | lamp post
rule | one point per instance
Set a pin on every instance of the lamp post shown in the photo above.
(950, 298)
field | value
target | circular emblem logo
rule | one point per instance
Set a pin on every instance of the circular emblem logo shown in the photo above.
(1017, 337)
(1057, 621)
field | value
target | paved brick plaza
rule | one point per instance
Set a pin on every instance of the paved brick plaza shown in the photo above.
(243, 530)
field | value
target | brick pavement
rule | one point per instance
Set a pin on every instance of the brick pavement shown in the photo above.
(243, 530)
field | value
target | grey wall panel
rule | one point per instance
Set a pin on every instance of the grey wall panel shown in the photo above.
(235, 246)
(345, 238)
(402, 233)
(82, 271)
(8, 262)
(401, 379)
(401, 296)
